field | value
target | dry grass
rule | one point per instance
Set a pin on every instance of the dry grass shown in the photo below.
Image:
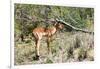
(66, 47)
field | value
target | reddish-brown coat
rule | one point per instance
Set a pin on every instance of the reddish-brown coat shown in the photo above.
(39, 32)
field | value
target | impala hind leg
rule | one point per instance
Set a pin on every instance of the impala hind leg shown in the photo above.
(48, 45)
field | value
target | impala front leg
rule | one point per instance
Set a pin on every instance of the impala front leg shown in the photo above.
(37, 49)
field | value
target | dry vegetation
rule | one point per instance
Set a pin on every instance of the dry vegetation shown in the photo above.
(66, 47)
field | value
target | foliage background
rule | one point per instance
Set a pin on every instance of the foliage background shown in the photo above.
(73, 46)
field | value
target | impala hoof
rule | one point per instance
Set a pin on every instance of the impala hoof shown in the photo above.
(36, 57)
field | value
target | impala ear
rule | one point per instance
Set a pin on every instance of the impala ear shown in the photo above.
(55, 23)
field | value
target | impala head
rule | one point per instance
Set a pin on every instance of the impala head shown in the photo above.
(57, 24)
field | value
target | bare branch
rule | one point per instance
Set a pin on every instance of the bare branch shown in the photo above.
(74, 28)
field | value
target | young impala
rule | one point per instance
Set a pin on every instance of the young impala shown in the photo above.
(39, 32)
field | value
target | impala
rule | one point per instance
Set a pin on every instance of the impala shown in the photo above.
(39, 32)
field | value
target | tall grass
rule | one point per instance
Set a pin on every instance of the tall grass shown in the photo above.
(66, 47)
